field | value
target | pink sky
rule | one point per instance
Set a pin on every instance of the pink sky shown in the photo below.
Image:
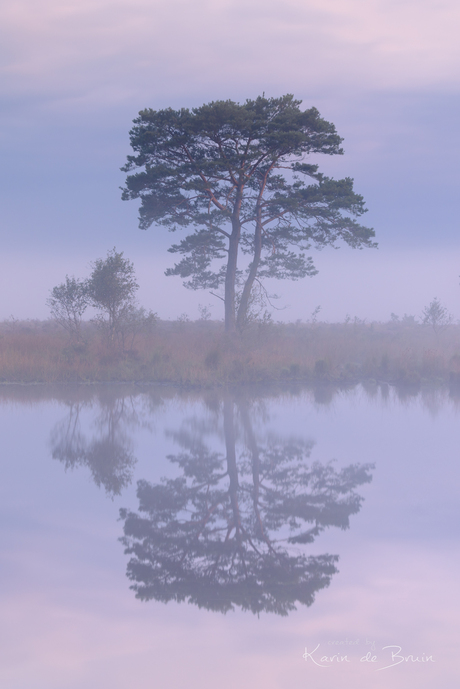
(75, 73)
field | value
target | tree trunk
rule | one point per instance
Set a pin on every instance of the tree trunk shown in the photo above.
(230, 278)
(254, 450)
(230, 446)
(244, 302)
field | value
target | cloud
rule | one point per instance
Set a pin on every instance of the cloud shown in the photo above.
(84, 54)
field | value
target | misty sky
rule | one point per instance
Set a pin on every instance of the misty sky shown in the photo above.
(76, 72)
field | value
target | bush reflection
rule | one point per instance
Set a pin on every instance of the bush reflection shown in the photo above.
(108, 453)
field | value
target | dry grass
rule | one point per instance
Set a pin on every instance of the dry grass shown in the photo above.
(199, 353)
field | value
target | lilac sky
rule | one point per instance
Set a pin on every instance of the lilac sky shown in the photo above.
(74, 74)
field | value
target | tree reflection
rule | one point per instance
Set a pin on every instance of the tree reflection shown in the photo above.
(227, 531)
(108, 454)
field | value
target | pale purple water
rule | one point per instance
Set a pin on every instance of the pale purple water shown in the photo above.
(70, 621)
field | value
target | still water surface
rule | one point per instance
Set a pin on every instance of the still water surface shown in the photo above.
(152, 538)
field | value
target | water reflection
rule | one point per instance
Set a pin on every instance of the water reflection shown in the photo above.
(109, 452)
(65, 596)
(227, 531)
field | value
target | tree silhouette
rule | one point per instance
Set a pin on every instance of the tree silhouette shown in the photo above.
(228, 531)
(237, 175)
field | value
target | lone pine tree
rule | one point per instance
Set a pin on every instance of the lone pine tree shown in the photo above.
(235, 174)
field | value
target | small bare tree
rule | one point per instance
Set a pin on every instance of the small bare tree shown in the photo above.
(67, 304)
(437, 316)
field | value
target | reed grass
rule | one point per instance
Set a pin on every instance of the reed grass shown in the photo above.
(200, 354)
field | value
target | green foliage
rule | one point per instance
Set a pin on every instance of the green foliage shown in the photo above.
(236, 174)
(67, 304)
(112, 288)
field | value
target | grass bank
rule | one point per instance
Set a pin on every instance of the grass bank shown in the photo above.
(198, 353)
